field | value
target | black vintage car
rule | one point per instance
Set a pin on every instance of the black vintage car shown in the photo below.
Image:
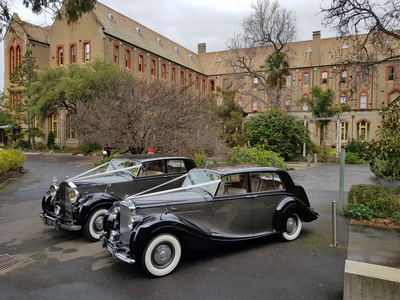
(82, 201)
(216, 205)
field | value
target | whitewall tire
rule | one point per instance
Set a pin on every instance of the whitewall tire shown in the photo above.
(293, 228)
(161, 255)
(93, 227)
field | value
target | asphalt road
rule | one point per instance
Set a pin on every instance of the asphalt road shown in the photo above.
(63, 265)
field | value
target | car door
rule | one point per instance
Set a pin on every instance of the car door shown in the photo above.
(265, 187)
(231, 209)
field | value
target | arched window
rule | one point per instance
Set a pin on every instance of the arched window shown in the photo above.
(18, 56)
(54, 125)
(164, 71)
(87, 52)
(73, 54)
(255, 106)
(343, 98)
(153, 67)
(288, 103)
(240, 102)
(363, 100)
(141, 63)
(12, 60)
(363, 130)
(116, 54)
(70, 133)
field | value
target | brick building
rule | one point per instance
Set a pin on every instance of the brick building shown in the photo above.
(107, 34)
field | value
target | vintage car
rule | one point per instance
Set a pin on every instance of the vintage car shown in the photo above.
(216, 205)
(81, 202)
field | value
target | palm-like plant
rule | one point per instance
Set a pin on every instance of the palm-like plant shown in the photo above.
(321, 105)
(277, 66)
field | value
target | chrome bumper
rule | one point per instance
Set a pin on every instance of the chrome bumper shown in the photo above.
(122, 253)
(56, 223)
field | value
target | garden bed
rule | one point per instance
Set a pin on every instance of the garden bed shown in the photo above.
(11, 176)
(387, 222)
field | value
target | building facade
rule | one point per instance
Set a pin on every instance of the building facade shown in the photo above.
(106, 34)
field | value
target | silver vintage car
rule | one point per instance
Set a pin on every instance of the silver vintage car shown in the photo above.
(216, 205)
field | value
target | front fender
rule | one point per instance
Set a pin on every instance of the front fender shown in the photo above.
(152, 225)
(93, 201)
(288, 206)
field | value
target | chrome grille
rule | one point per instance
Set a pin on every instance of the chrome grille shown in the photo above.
(65, 204)
(124, 217)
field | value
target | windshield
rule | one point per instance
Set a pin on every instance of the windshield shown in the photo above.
(200, 178)
(119, 163)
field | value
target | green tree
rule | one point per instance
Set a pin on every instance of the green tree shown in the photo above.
(278, 132)
(322, 106)
(384, 154)
(230, 114)
(277, 67)
(22, 79)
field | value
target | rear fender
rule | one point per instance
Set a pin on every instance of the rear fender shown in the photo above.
(288, 206)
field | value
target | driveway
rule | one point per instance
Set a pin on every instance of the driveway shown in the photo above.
(63, 265)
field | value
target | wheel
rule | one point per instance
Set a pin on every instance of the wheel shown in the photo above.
(93, 227)
(161, 255)
(293, 228)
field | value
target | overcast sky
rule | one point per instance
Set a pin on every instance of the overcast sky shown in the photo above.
(189, 22)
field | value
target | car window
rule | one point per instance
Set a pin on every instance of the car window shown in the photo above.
(116, 164)
(233, 185)
(152, 168)
(176, 166)
(265, 181)
(202, 178)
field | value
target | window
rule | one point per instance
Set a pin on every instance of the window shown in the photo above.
(324, 78)
(152, 168)
(364, 75)
(343, 99)
(141, 63)
(390, 73)
(53, 125)
(127, 59)
(225, 84)
(182, 77)
(343, 77)
(164, 71)
(363, 101)
(306, 78)
(255, 105)
(116, 54)
(204, 85)
(288, 103)
(240, 102)
(70, 129)
(362, 131)
(12, 60)
(261, 182)
(153, 67)
(72, 50)
(288, 80)
(60, 55)
(173, 74)
(176, 166)
(345, 130)
(233, 185)
(18, 56)
(87, 53)
(212, 85)
(197, 83)
(240, 84)
(255, 83)
(15, 101)
(190, 80)
(305, 106)
(394, 96)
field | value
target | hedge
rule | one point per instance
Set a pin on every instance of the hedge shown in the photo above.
(11, 160)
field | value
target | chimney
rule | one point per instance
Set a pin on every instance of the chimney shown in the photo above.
(316, 48)
(201, 48)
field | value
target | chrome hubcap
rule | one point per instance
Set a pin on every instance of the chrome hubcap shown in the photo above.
(291, 225)
(162, 255)
(98, 223)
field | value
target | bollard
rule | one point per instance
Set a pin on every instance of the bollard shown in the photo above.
(334, 225)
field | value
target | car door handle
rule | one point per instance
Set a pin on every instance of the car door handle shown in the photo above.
(251, 196)
(173, 208)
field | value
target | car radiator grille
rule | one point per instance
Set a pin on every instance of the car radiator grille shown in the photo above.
(65, 204)
(125, 216)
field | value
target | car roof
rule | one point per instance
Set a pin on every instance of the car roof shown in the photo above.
(226, 169)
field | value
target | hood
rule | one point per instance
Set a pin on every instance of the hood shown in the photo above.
(103, 180)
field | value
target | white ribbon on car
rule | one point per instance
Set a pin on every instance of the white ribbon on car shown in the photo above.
(139, 195)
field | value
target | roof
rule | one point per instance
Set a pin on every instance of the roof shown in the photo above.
(36, 33)
(125, 29)
(150, 157)
(227, 169)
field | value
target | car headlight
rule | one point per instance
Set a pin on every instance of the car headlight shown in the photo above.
(73, 196)
(57, 210)
(53, 190)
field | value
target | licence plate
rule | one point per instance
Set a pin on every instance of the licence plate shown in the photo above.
(51, 222)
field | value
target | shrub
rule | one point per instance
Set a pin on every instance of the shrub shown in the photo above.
(87, 147)
(352, 158)
(386, 169)
(359, 211)
(396, 190)
(11, 160)
(380, 199)
(255, 155)
(21, 145)
(396, 218)
(200, 159)
(355, 147)
(51, 140)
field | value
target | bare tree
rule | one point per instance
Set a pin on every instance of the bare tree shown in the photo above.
(160, 115)
(370, 31)
(266, 32)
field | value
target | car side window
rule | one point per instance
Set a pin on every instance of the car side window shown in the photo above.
(176, 166)
(261, 182)
(233, 185)
(152, 168)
